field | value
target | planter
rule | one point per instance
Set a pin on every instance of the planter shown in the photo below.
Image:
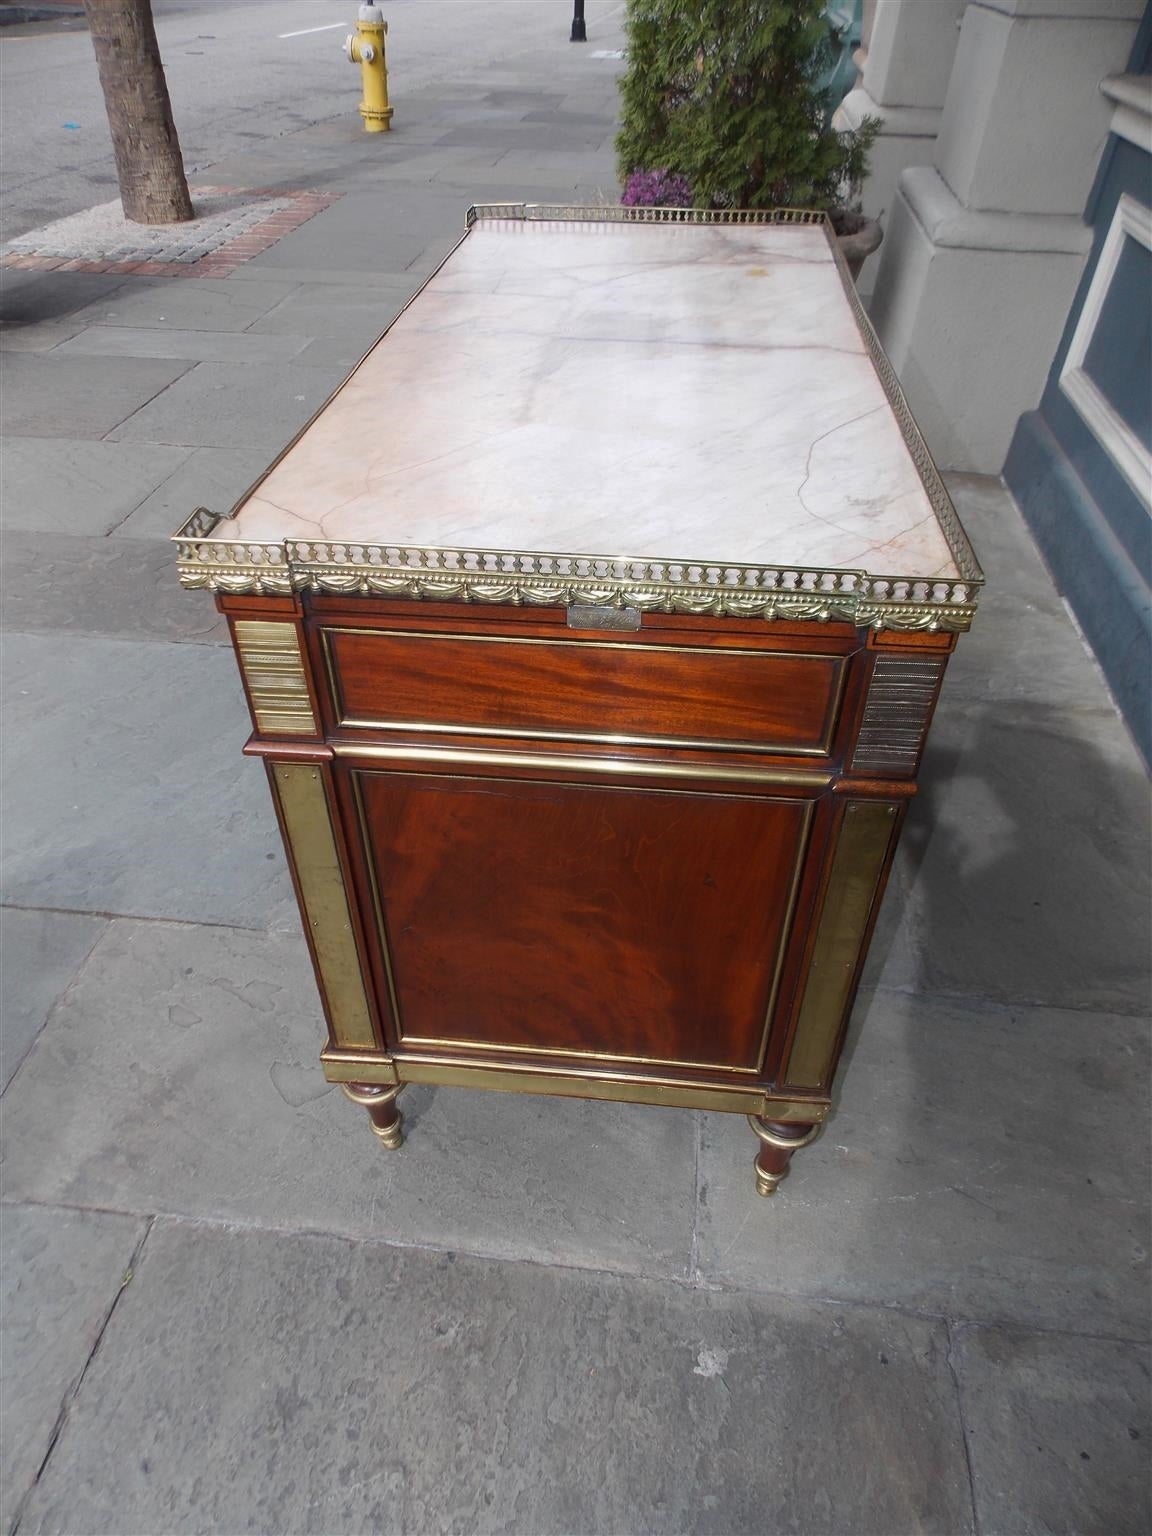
(857, 238)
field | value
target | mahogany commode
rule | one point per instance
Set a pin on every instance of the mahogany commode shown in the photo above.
(574, 822)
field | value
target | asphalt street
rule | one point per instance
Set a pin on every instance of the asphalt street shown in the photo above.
(239, 73)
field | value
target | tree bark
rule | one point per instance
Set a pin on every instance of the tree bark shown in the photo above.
(149, 165)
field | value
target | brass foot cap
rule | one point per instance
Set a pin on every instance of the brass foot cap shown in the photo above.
(767, 1183)
(390, 1135)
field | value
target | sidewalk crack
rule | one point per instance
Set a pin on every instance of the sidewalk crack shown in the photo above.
(694, 1246)
(951, 1329)
(71, 1394)
(183, 374)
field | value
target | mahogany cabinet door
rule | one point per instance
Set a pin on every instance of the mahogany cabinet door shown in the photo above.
(590, 920)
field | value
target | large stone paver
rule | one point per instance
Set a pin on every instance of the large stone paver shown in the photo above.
(255, 1382)
(122, 587)
(199, 304)
(60, 1273)
(78, 486)
(38, 298)
(193, 345)
(371, 231)
(1058, 1431)
(36, 335)
(983, 1163)
(40, 953)
(46, 395)
(1024, 869)
(234, 405)
(209, 477)
(1023, 874)
(181, 1075)
(124, 786)
(324, 309)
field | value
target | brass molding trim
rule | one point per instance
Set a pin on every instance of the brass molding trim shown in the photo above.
(866, 832)
(529, 733)
(273, 668)
(348, 1067)
(837, 661)
(307, 821)
(491, 1048)
(785, 778)
(901, 693)
(587, 645)
(616, 213)
(709, 588)
(792, 1111)
(618, 1087)
(371, 1094)
(344, 1067)
(784, 1143)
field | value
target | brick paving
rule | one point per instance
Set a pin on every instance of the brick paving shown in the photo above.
(233, 225)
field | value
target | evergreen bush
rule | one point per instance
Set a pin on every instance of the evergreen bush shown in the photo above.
(725, 95)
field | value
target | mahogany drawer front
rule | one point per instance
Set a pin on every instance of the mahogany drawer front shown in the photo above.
(730, 698)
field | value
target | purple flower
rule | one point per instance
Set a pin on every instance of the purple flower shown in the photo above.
(657, 189)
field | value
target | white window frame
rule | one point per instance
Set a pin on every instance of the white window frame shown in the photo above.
(1130, 221)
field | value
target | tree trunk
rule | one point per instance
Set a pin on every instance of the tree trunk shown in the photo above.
(150, 168)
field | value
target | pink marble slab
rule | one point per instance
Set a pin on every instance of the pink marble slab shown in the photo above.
(695, 392)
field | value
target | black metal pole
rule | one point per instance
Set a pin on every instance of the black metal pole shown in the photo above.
(579, 32)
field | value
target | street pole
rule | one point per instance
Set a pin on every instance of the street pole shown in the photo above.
(579, 31)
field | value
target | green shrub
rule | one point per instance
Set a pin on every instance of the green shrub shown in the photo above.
(726, 94)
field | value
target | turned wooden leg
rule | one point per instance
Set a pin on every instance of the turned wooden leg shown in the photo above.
(380, 1102)
(777, 1144)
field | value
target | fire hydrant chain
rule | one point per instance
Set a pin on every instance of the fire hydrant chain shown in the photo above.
(365, 47)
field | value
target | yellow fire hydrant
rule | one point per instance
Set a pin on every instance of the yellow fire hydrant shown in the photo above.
(365, 47)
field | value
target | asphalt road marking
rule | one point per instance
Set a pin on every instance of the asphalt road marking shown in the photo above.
(331, 27)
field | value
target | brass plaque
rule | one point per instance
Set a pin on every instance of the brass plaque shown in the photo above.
(593, 616)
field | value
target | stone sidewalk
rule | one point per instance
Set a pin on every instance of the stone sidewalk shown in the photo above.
(227, 1310)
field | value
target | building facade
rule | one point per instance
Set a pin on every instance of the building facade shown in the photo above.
(1013, 291)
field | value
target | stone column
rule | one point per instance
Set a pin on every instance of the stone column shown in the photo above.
(984, 247)
(910, 46)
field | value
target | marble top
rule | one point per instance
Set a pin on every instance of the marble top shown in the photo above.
(653, 390)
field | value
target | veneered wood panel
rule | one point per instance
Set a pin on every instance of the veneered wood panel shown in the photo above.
(586, 690)
(556, 917)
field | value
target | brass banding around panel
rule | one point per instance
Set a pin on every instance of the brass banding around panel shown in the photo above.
(312, 845)
(866, 832)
